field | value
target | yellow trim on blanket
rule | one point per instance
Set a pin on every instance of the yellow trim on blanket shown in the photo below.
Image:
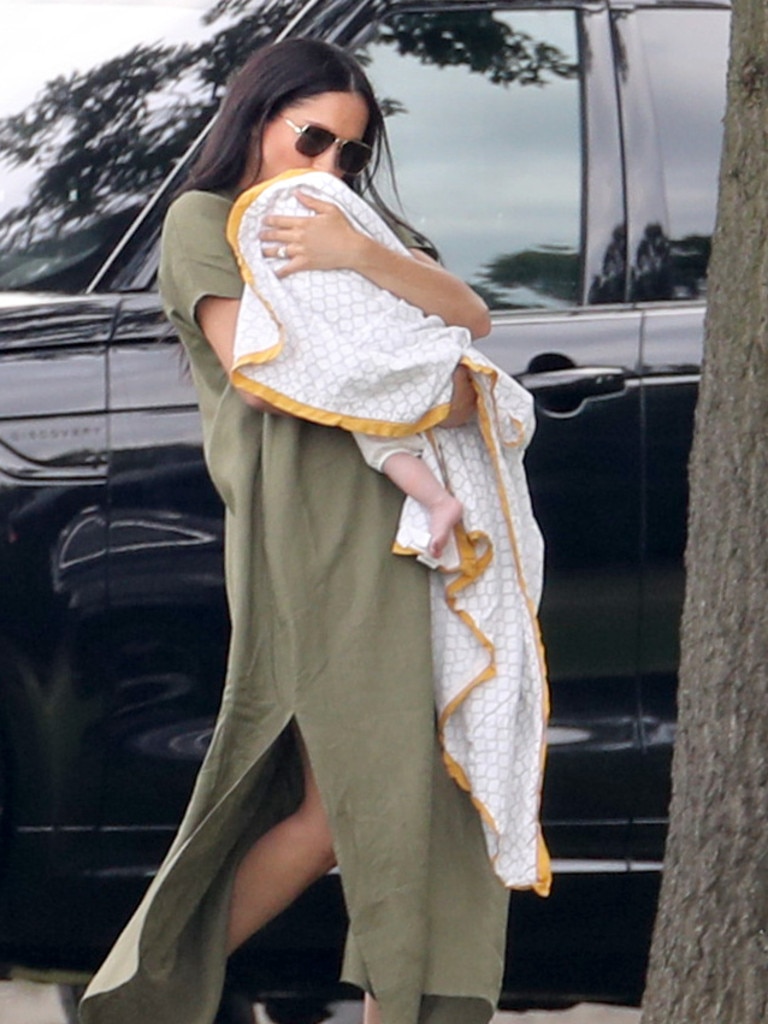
(265, 355)
(544, 882)
(329, 418)
(456, 772)
(234, 220)
(489, 371)
(471, 568)
(473, 561)
(247, 274)
(326, 417)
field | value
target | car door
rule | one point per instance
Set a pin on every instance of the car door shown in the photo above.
(107, 522)
(167, 612)
(53, 468)
(491, 112)
(672, 86)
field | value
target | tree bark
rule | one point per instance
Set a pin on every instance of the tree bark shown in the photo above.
(709, 958)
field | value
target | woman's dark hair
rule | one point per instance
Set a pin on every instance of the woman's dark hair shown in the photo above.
(274, 78)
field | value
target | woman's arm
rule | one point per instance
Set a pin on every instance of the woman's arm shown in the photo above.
(328, 241)
(217, 318)
(424, 283)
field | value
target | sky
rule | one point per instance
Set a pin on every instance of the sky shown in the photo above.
(45, 38)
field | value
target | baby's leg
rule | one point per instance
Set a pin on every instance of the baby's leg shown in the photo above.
(414, 478)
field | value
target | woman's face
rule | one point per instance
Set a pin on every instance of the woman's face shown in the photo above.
(345, 114)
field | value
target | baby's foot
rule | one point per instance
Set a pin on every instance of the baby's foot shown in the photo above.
(444, 514)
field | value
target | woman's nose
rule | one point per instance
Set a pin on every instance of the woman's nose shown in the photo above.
(326, 161)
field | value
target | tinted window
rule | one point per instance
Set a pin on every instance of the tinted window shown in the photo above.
(484, 121)
(98, 99)
(687, 52)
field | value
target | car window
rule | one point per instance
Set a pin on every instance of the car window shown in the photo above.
(483, 114)
(98, 100)
(687, 52)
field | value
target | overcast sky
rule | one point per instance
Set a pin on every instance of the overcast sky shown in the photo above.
(45, 38)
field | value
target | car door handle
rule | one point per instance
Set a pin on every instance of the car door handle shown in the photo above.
(564, 390)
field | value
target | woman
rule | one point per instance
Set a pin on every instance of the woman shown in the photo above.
(325, 750)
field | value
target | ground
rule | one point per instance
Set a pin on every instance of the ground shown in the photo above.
(23, 1002)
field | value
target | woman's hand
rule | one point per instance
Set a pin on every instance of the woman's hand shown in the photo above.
(325, 241)
(463, 399)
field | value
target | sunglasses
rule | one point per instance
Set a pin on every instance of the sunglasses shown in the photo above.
(352, 156)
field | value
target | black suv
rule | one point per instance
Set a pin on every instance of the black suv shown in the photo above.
(562, 156)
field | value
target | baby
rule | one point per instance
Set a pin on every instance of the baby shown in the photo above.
(400, 460)
(350, 371)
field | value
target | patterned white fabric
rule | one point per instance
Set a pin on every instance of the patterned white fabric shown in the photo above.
(334, 348)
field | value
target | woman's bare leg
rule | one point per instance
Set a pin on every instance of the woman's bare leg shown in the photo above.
(371, 1013)
(281, 864)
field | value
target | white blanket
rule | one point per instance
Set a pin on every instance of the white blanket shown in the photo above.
(332, 347)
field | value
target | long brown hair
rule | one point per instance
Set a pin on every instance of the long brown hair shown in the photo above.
(272, 79)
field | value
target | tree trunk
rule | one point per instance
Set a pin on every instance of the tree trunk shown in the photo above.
(709, 959)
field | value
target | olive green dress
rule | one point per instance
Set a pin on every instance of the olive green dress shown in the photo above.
(329, 629)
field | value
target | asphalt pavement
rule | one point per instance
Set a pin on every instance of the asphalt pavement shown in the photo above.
(23, 1002)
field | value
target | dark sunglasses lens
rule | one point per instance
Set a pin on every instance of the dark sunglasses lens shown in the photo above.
(354, 157)
(314, 140)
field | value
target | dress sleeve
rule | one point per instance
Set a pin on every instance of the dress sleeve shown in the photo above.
(195, 257)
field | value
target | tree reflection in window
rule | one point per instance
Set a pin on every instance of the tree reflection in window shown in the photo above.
(688, 105)
(96, 144)
(483, 114)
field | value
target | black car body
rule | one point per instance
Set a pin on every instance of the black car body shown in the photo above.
(563, 158)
